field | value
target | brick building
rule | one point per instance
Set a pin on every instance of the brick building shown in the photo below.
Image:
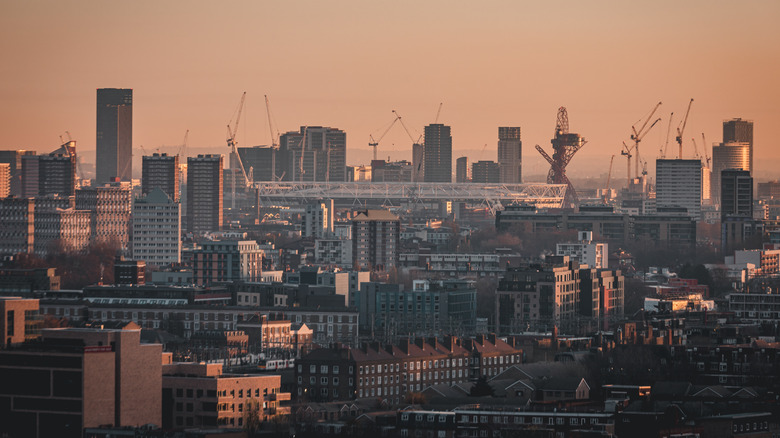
(200, 395)
(19, 320)
(78, 378)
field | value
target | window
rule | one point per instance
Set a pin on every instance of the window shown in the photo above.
(335, 369)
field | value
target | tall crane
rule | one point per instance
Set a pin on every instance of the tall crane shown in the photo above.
(627, 153)
(438, 112)
(637, 135)
(235, 158)
(375, 143)
(609, 177)
(681, 129)
(183, 146)
(274, 137)
(706, 155)
(668, 131)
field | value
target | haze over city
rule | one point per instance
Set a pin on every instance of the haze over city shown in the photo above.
(348, 64)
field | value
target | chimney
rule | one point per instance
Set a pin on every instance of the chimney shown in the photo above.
(492, 338)
(420, 342)
(403, 344)
(480, 339)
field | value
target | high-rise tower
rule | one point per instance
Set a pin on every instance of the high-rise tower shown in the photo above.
(733, 155)
(510, 151)
(161, 171)
(678, 184)
(740, 131)
(438, 153)
(204, 193)
(114, 142)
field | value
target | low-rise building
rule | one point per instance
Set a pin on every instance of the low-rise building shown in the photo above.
(201, 395)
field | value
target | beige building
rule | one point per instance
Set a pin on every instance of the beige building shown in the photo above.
(200, 395)
(157, 228)
(5, 180)
(111, 209)
(510, 155)
(226, 260)
(19, 320)
(376, 238)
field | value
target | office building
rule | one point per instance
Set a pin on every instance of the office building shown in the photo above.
(438, 153)
(510, 155)
(485, 172)
(161, 171)
(204, 193)
(387, 171)
(157, 229)
(462, 170)
(5, 180)
(18, 231)
(227, 260)
(57, 171)
(740, 131)
(114, 142)
(732, 155)
(200, 395)
(14, 160)
(30, 176)
(61, 229)
(318, 219)
(111, 211)
(433, 307)
(736, 188)
(267, 163)
(678, 184)
(129, 272)
(376, 240)
(315, 153)
(79, 378)
(19, 321)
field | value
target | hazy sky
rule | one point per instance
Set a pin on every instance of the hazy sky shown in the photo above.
(347, 64)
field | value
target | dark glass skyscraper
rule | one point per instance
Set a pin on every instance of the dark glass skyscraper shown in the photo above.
(114, 140)
(438, 153)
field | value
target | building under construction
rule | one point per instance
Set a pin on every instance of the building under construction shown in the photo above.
(565, 145)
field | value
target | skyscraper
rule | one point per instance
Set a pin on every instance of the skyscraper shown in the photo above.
(485, 172)
(322, 157)
(14, 159)
(157, 228)
(438, 153)
(462, 170)
(740, 131)
(114, 143)
(510, 155)
(204, 193)
(732, 155)
(376, 238)
(161, 171)
(736, 193)
(418, 162)
(678, 184)
(57, 171)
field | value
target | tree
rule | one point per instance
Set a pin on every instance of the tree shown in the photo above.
(482, 388)
(252, 420)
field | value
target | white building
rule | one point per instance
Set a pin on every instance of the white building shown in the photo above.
(336, 252)
(157, 229)
(318, 220)
(678, 184)
(595, 255)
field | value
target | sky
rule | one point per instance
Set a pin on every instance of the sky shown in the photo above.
(348, 64)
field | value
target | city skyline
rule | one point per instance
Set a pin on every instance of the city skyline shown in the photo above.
(505, 64)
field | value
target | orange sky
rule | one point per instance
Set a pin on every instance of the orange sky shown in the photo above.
(347, 64)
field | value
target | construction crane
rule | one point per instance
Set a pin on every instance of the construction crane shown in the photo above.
(668, 130)
(627, 153)
(183, 146)
(375, 143)
(303, 151)
(274, 137)
(695, 148)
(609, 177)
(407, 129)
(438, 112)
(681, 129)
(638, 135)
(706, 155)
(232, 144)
